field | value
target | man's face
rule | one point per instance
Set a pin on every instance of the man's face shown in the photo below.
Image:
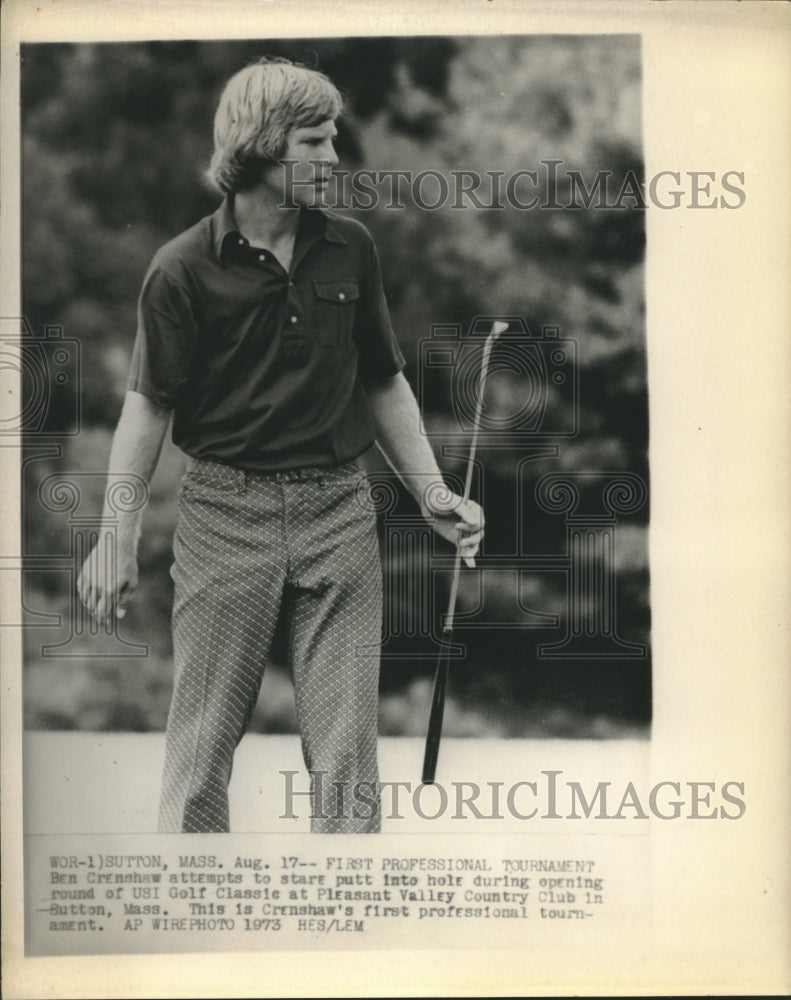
(306, 166)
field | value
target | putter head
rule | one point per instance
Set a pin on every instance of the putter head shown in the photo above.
(498, 327)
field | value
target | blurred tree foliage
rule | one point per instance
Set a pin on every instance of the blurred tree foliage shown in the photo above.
(115, 139)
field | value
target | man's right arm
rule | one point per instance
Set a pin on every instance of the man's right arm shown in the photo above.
(108, 579)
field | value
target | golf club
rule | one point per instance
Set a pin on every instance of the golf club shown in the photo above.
(441, 676)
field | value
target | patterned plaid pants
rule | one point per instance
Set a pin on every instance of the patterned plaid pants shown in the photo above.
(248, 548)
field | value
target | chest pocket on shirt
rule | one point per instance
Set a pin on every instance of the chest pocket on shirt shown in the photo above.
(335, 304)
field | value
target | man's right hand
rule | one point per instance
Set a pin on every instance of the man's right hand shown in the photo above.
(109, 574)
(108, 580)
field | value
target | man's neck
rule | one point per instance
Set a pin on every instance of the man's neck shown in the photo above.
(262, 221)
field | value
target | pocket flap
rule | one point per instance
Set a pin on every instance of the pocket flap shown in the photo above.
(337, 291)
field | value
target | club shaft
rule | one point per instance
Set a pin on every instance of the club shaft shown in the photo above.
(476, 427)
(437, 711)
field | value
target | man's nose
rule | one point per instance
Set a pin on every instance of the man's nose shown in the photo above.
(330, 156)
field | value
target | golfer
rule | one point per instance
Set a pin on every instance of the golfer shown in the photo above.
(264, 336)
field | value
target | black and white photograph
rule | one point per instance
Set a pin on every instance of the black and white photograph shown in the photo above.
(519, 365)
(390, 515)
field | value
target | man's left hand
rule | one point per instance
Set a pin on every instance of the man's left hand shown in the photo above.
(459, 521)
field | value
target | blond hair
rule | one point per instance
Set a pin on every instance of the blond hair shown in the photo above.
(258, 107)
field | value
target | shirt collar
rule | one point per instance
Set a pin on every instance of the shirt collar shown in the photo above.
(313, 221)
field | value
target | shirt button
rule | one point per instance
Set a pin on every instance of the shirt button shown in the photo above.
(341, 296)
(293, 319)
(262, 256)
(241, 243)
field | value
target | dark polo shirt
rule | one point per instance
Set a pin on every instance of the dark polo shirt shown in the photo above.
(266, 370)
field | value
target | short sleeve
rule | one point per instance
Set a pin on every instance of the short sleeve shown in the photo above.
(166, 338)
(377, 347)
